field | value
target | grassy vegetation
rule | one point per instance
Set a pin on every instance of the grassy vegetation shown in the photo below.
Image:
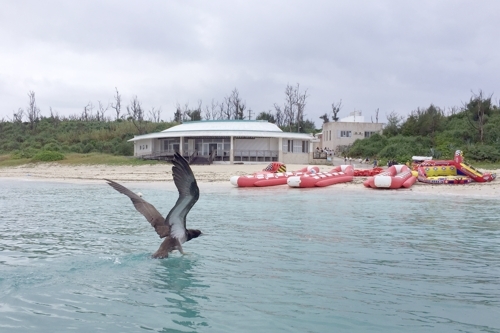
(485, 166)
(79, 159)
(106, 159)
(72, 141)
(71, 136)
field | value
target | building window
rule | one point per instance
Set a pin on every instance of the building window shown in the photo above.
(345, 134)
(305, 146)
(290, 146)
(368, 134)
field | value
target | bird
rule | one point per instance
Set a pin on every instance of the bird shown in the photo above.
(173, 227)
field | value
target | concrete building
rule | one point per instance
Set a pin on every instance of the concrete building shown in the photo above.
(338, 135)
(227, 141)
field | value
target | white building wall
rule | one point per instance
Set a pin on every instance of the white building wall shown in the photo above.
(302, 158)
(143, 147)
(332, 133)
(254, 144)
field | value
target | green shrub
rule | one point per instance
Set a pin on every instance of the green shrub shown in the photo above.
(479, 152)
(24, 153)
(87, 148)
(124, 149)
(52, 147)
(48, 156)
(76, 148)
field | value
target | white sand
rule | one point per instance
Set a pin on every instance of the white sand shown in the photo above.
(215, 173)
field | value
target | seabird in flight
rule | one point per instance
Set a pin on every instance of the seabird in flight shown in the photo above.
(173, 227)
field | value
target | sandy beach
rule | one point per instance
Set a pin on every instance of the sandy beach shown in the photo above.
(210, 174)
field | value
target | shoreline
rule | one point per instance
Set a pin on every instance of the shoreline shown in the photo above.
(211, 175)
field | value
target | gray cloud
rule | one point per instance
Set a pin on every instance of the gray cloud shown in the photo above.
(392, 55)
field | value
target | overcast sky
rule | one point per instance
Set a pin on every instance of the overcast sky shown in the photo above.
(389, 54)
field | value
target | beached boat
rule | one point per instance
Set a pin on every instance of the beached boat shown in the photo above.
(396, 176)
(267, 178)
(339, 174)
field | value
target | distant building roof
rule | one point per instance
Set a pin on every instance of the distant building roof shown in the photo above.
(245, 128)
(225, 125)
(354, 117)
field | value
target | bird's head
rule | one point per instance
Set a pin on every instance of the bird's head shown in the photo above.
(193, 233)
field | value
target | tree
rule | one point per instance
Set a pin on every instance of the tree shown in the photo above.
(423, 122)
(101, 110)
(136, 114)
(266, 116)
(32, 112)
(393, 124)
(154, 115)
(190, 114)
(212, 112)
(178, 114)
(195, 115)
(376, 116)
(335, 110)
(117, 106)
(308, 126)
(233, 107)
(325, 118)
(237, 105)
(17, 117)
(478, 110)
(87, 112)
(293, 108)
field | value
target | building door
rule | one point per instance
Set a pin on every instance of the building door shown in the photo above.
(212, 147)
(208, 148)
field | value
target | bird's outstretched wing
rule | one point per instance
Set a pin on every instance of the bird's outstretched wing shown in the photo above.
(188, 195)
(145, 208)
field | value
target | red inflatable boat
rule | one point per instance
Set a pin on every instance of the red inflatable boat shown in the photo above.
(266, 178)
(396, 176)
(339, 174)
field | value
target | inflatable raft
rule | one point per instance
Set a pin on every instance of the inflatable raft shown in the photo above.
(396, 176)
(454, 171)
(270, 178)
(339, 174)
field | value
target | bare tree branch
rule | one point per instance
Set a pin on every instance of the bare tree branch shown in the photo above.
(136, 114)
(101, 111)
(154, 114)
(33, 112)
(336, 109)
(118, 104)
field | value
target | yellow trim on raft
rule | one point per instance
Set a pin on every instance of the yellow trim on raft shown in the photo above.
(440, 170)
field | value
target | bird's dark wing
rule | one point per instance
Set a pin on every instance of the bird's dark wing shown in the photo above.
(188, 195)
(145, 208)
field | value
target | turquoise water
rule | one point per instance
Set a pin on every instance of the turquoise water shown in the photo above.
(76, 257)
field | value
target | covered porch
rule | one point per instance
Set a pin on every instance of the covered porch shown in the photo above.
(213, 149)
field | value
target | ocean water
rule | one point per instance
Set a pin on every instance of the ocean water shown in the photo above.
(76, 258)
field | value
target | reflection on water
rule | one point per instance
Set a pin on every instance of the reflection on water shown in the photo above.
(76, 257)
(175, 278)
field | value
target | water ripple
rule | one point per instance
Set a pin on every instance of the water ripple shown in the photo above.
(77, 257)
